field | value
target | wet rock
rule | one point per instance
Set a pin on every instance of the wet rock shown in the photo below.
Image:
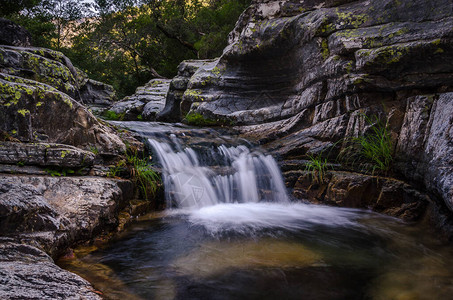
(386, 195)
(13, 35)
(147, 101)
(27, 272)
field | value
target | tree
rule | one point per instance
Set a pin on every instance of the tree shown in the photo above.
(10, 7)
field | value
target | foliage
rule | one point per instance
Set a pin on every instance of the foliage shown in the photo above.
(9, 7)
(112, 116)
(125, 43)
(63, 171)
(94, 150)
(196, 119)
(317, 166)
(372, 151)
(143, 175)
(117, 169)
(50, 22)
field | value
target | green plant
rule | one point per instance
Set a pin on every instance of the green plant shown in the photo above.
(58, 171)
(112, 116)
(198, 119)
(143, 175)
(94, 150)
(116, 169)
(317, 166)
(371, 151)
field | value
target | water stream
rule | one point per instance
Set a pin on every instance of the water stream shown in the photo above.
(231, 232)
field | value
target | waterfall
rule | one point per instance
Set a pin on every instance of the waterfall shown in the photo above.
(195, 178)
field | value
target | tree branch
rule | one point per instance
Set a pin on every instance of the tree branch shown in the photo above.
(173, 36)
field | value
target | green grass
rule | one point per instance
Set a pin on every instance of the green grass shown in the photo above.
(145, 178)
(372, 151)
(317, 166)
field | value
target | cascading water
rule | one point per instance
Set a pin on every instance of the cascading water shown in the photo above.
(241, 176)
(235, 235)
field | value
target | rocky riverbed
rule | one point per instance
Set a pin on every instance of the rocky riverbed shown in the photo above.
(298, 77)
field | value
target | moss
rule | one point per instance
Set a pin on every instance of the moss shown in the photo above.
(194, 94)
(351, 19)
(64, 153)
(439, 50)
(325, 49)
(436, 42)
(23, 112)
(349, 67)
(218, 70)
(197, 119)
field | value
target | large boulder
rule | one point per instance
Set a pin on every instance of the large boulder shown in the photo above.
(53, 68)
(300, 76)
(95, 94)
(35, 112)
(13, 35)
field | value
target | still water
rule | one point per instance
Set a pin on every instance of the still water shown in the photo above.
(270, 251)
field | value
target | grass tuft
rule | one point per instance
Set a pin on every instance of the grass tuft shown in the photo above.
(372, 151)
(317, 166)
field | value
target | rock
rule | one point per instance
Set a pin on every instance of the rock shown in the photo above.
(39, 64)
(299, 77)
(35, 112)
(55, 212)
(13, 35)
(178, 85)
(96, 93)
(26, 272)
(42, 154)
(147, 101)
(386, 195)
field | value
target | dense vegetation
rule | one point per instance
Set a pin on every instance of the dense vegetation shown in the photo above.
(127, 42)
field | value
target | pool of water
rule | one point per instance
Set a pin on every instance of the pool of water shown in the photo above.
(269, 251)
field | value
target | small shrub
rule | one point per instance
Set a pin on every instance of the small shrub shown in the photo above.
(317, 166)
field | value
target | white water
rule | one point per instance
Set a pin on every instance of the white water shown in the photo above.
(249, 195)
(252, 217)
(247, 177)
